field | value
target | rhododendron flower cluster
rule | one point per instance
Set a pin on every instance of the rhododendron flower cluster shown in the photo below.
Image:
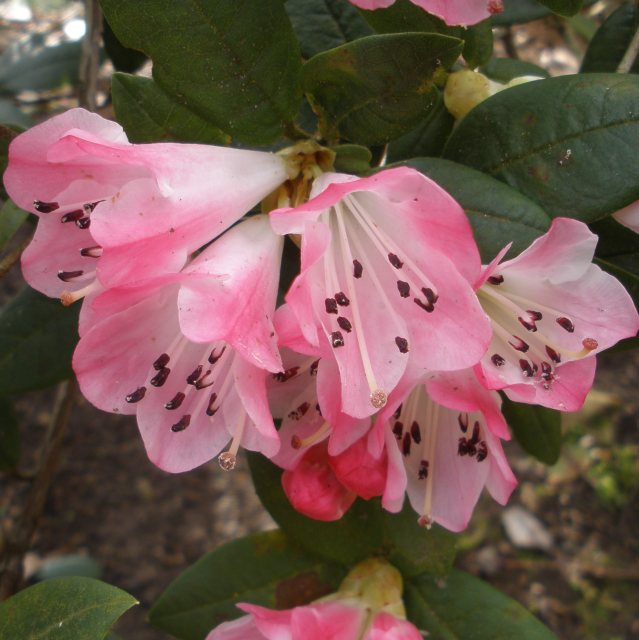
(383, 364)
(367, 606)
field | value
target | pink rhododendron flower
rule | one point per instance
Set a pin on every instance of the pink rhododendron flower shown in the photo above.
(386, 267)
(629, 216)
(551, 311)
(443, 448)
(122, 212)
(462, 12)
(187, 352)
(367, 606)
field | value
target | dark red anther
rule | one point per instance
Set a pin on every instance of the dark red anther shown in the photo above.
(210, 411)
(426, 306)
(422, 472)
(398, 429)
(482, 451)
(566, 324)
(176, 401)
(345, 324)
(181, 424)
(313, 368)
(283, 376)
(530, 326)
(83, 223)
(72, 216)
(415, 432)
(330, 305)
(519, 344)
(431, 296)
(462, 419)
(403, 288)
(160, 377)
(406, 441)
(497, 360)
(193, 377)
(402, 344)
(337, 339)
(357, 269)
(398, 412)
(526, 368)
(45, 207)
(535, 315)
(91, 252)
(495, 279)
(300, 412)
(341, 299)
(67, 276)
(476, 429)
(213, 358)
(395, 261)
(553, 355)
(161, 362)
(462, 447)
(137, 395)
(202, 382)
(90, 206)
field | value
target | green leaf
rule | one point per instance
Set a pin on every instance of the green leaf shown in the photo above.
(325, 24)
(497, 213)
(428, 138)
(568, 143)
(123, 58)
(519, 11)
(365, 530)
(618, 254)
(237, 64)
(466, 608)
(505, 69)
(478, 43)
(351, 158)
(377, 88)
(265, 569)
(537, 429)
(30, 65)
(11, 219)
(563, 7)
(63, 609)
(37, 338)
(611, 41)
(150, 115)
(9, 436)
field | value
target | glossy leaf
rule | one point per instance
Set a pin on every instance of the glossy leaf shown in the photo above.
(325, 24)
(551, 140)
(9, 436)
(365, 530)
(236, 64)
(537, 429)
(265, 569)
(29, 65)
(563, 7)
(63, 609)
(37, 338)
(478, 43)
(122, 58)
(377, 88)
(427, 138)
(150, 115)
(505, 69)
(519, 11)
(466, 608)
(611, 41)
(11, 219)
(498, 214)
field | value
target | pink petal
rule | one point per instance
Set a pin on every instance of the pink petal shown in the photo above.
(389, 627)
(629, 216)
(243, 628)
(360, 472)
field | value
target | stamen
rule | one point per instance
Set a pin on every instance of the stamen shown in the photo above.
(378, 398)
(566, 324)
(341, 299)
(398, 429)
(403, 288)
(337, 339)
(422, 473)
(357, 269)
(331, 305)
(300, 412)
(398, 412)
(69, 297)
(402, 344)
(463, 422)
(431, 296)
(495, 279)
(83, 223)
(210, 411)
(415, 433)
(406, 442)
(181, 424)
(160, 377)
(227, 461)
(426, 306)
(530, 326)
(161, 362)
(345, 324)
(283, 376)
(497, 360)
(176, 401)
(203, 383)
(214, 358)
(45, 207)
(425, 522)
(67, 276)
(395, 261)
(314, 438)
(91, 252)
(137, 395)
(482, 451)
(519, 344)
(313, 368)
(553, 355)
(526, 368)
(193, 377)
(72, 216)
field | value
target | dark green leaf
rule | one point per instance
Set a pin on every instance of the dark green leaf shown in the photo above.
(9, 436)
(11, 219)
(428, 138)
(325, 24)
(123, 58)
(30, 65)
(265, 569)
(365, 530)
(150, 115)
(466, 608)
(236, 64)
(63, 609)
(563, 7)
(611, 41)
(377, 88)
(518, 11)
(537, 429)
(497, 213)
(618, 253)
(568, 143)
(478, 44)
(351, 158)
(505, 69)
(37, 338)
